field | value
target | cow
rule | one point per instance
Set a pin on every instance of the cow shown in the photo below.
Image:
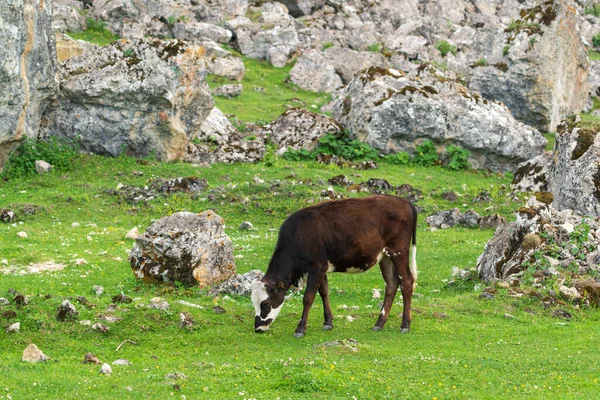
(349, 235)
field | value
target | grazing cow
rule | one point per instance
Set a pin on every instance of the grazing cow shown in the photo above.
(349, 235)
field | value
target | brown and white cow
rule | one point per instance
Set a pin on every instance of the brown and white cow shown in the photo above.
(349, 235)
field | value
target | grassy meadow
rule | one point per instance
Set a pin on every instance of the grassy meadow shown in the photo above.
(461, 346)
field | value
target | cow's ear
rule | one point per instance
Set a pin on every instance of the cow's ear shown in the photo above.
(281, 286)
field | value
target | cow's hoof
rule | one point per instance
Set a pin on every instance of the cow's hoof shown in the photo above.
(404, 330)
(377, 328)
(327, 327)
(298, 335)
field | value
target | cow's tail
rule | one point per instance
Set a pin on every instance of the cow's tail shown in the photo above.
(413, 251)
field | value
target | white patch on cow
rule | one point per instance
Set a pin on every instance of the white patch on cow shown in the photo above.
(379, 257)
(330, 267)
(263, 328)
(354, 270)
(385, 251)
(413, 265)
(382, 312)
(259, 294)
(273, 314)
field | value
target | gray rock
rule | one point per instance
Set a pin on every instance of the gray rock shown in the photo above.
(239, 284)
(532, 175)
(14, 328)
(594, 78)
(33, 354)
(347, 62)
(246, 226)
(201, 31)
(539, 80)
(98, 290)
(298, 129)
(278, 56)
(4, 301)
(41, 167)
(469, 218)
(158, 304)
(139, 97)
(569, 293)
(67, 312)
(313, 72)
(574, 176)
(229, 91)
(27, 71)
(491, 221)
(105, 369)
(272, 30)
(299, 8)
(100, 327)
(122, 361)
(393, 111)
(231, 67)
(444, 219)
(186, 247)
(67, 16)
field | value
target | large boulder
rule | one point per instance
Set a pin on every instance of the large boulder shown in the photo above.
(68, 16)
(348, 62)
(230, 66)
(532, 175)
(543, 75)
(298, 128)
(27, 70)
(312, 72)
(186, 247)
(201, 31)
(299, 8)
(393, 111)
(139, 97)
(574, 175)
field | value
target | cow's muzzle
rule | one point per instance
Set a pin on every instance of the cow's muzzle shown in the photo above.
(261, 325)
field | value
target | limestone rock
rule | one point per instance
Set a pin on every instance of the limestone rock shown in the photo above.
(229, 66)
(348, 62)
(67, 16)
(312, 72)
(229, 91)
(543, 76)
(141, 97)
(41, 167)
(240, 284)
(14, 328)
(67, 312)
(299, 8)
(595, 78)
(298, 128)
(33, 354)
(393, 111)
(105, 369)
(532, 175)
(68, 48)
(201, 31)
(186, 247)
(27, 70)
(272, 30)
(133, 233)
(574, 176)
(245, 226)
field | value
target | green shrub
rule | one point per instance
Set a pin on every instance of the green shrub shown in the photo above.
(445, 47)
(457, 158)
(299, 155)
(375, 48)
(326, 45)
(482, 62)
(426, 154)
(400, 158)
(341, 146)
(596, 40)
(505, 50)
(57, 151)
(593, 10)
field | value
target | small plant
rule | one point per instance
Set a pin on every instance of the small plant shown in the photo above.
(326, 45)
(444, 47)
(505, 50)
(298, 155)
(426, 154)
(482, 62)
(457, 158)
(270, 158)
(128, 53)
(341, 146)
(400, 158)
(96, 33)
(375, 48)
(593, 10)
(59, 152)
(596, 40)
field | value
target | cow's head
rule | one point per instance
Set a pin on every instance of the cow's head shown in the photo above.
(267, 298)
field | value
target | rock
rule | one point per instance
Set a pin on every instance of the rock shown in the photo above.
(347, 62)
(450, 196)
(67, 48)
(298, 129)
(532, 175)
(89, 358)
(4, 301)
(561, 314)
(186, 247)
(33, 354)
(7, 216)
(98, 290)
(239, 284)
(22, 235)
(574, 175)
(491, 221)
(41, 167)
(387, 109)
(377, 185)
(246, 226)
(219, 141)
(569, 293)
(230, 67)
(105, 369)
(100, 327)
(376, 294)
(14, 328)
(299, 8)
(349, 344)
(68, 16)
(272, 30)
(444, 219)
(278, 56)
(201, 31)
(219, 310)
(27, 71)
(122, 298)
(312, 72)
(229, 91)
(67, 312)
(121, 361)
(469, 218)
(594, 78)
(141, 97)
(539, 80)
(133, 233)
(185, 320)
(158, 304)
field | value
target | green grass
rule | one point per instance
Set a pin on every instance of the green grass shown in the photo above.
(96, 33)
(460, 346)
(262, 106)
(551, 138)
(593, 55)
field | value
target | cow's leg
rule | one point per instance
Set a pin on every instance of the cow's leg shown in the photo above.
(324, 293)
(312, 285)
(400, 260)
(392, 281)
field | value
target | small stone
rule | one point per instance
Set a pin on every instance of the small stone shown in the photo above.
(66, 311)
(85, 322)
(22, 235)
(4, 301)
(219, 310)
(100, 327)
(158, 304)
(122, 361)
(175, 376)
(569, 293)
(567, 227)
(552, 271)
(14, 328)
(258, 180)
(561, 314)
(7, 216)
(89, 358)
(121, 298)
(41, 167)
(487, 296)
(33, 354)
(80, 261)
(98, 290)
(350, 318)
(376, 294)
(185, 320)
(105, 369)
(4, 262)
(503, 285)
(75, 224)
(246, 226)
(133, 233)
